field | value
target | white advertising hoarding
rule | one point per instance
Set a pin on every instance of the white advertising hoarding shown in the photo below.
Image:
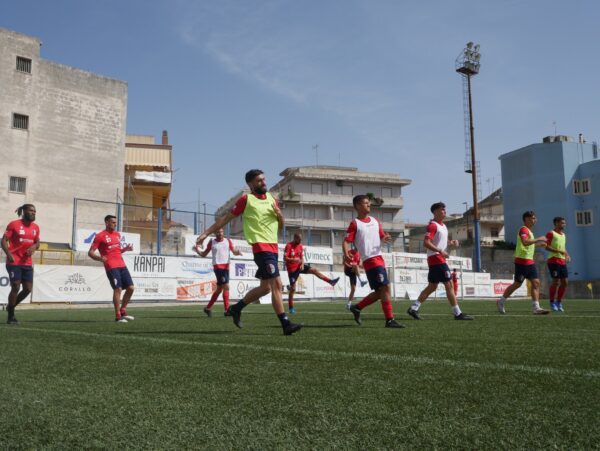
(4, 285)
(154, 288)
(71, 284)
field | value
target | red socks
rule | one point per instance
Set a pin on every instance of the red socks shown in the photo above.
(553, 290)
(365, 302)
(226, 299)
(213, 299)
(561, 293)
(386, 306)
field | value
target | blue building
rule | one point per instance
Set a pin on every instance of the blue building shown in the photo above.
(557, 177)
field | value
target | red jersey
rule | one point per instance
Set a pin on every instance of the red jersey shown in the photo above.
(220, 252)
(21, 236)
(293, 251)
(238, 209)
(355, 259)
(109, 245)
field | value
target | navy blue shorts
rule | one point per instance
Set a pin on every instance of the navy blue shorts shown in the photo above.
(19, 273)
(222, 276)
(523, 272)
(293, 276)
(377, 277)
(439, 273)
(351, 274)
(558, 271)
(119, 278)
(267, 265)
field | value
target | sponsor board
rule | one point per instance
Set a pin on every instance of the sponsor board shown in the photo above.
(240, 287)
(422, 277)
(410, 260)
(405, 276)
(304, 286)
(85, 237)
(71, 284)
(483, 291)
(194, 289)
(482, 278)
(173, 267)
(468, 278)
(154, 288)
(323, 289)
(5, 286)
(242, 269)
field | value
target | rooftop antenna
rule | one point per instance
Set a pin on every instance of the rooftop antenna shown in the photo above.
(316, 149)
(554, 124)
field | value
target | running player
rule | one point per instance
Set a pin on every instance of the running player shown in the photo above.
(108, 243)
(220, 248)
(294, 263)
(366, 233)
(525, 265)
(558, 257)
(436, 243)
(352, 270)
(262, 219)
(21, 239)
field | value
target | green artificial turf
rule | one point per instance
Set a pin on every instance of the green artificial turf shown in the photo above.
(173, 378)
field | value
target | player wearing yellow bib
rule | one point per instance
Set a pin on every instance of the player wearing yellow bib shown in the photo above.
(262, 219)
(525, 264)
(558, 257)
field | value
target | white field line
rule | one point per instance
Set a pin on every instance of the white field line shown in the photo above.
(416, 360)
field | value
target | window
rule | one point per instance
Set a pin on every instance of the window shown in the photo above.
(347, 190)
(582, 186)
(17, 185)
(309, 213)
(315, 240)
(348, 215)
(20, 121)
(23, 64)
(584, 218)
(494, 232)
(387, 216)
(316, 188)
(386, 192)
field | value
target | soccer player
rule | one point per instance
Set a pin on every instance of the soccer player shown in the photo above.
(294, 263)
(366, 233)
(108, 243)
(525, 265)
(558, 257)
(220, 248)
(352, 270)
(262, 219)
(19, 242)
(436, 243)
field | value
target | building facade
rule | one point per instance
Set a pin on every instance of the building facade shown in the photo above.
(558, 177)
(317, 201)
(62, 132)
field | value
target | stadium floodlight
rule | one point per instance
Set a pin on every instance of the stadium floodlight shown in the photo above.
(467, 65)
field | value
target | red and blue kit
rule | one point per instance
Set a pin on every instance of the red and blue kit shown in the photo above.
(220, 258)
(439, 271)
(366, 235)
(21, 236)
(556, 265)
(294, 269)
(349, 265)
(109, 246)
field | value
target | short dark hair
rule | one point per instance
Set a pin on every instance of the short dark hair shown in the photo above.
(528, 214)
(557, 220)
(358, 199)
(19, 211)
(252, 173)
(107, 217)
(437, 205)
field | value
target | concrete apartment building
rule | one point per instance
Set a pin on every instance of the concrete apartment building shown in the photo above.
(62, 135)
(317, 200)
(558, 177)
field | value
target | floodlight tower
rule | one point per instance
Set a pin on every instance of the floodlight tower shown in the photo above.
(467, 65)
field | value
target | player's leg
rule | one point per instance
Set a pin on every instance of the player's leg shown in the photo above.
(373, 275)
(535, 297)
(320, 275)
(213, 298)
(226, 296)
(276, 288)
(14, 276)
(520, 274)
(553, 289)
(413, 310)
(564, 282)
(453, 301)
(117, 303)
(127, 283)
(293, 276)
(385, 295)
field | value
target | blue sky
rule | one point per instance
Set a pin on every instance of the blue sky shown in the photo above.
(243, 84)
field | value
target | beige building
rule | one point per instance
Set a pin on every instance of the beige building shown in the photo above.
(62, 135)
(317, 200)
(148, 181)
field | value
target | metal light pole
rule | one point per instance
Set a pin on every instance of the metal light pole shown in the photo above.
(467, 65)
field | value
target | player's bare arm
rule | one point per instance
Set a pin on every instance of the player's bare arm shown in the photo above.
(432, 247)
(387, 238)
(219, 223)
(346, 250)
(280, 218)
(94, 256)
(9, 255)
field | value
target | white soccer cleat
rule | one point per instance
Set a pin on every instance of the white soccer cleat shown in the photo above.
(540, 311)
(500, 305)
(121, 320)
(128, 317)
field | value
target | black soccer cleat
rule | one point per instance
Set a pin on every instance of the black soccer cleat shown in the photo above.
(12, 321)
(227, 313)
(394, 324)
(236, 316)
(208, 312)
(463, 317)
(413, 313)
(356, 312)
(291, 328)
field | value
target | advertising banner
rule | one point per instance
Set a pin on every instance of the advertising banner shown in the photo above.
(304, 286)
(239, 288)
(4, 285)
(195, 289)
(482, 278)
(155, 289)
(468, 278)
(71, 284)
(174, 267)
(324, 290)
(483, 291)
(85, 237)
(244, 270)
(405, 276)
